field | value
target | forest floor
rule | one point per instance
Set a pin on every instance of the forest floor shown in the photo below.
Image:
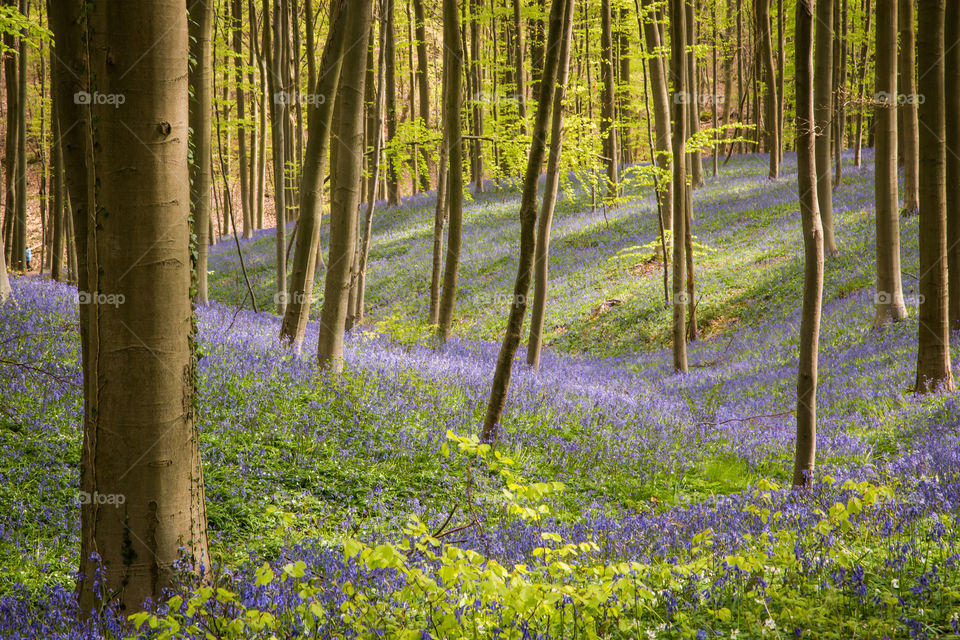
(672, 480)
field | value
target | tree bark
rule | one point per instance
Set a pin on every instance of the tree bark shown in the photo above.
(769, 78)
(861, 83)
(319, 115)
(678, 65)
(519, 74)
(237, 28)
(823, 108)
(661, 109)
(20, 223)
(889, 297)
(933, 349)
(201, 116)
(561, 16)
(423, 85)
(346, 193)
(952, 127)
(388, 41)
(908, 108)
(694, 159)
(476, 87)
(608, 132)
(806, 448)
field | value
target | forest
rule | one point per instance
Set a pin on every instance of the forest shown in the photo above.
(512, 319)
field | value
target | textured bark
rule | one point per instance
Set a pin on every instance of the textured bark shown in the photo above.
(769, 78)
(678, 62)
(346, 188)
(201, 117)
(608, 132)
(319, 118)
(561, 14)
(933, 349)
(141, 462)
(908, 109)
(806, 449)
(823, 111)
(452, 78)
(952, 126)
(661, 109)
(542, 251)
(889, 297)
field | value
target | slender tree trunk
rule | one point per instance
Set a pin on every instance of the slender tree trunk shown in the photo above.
(823, 106)
(952, 127)
(806, 448)
(769, 79)
(561, 17)
(439, 221)
(661, 109)
(423, 84)
(452, 77)
(58, 192)
(781, 64)
(536, 48)
(320, 115)
(10, 144)
(840, 118)
(261, 170)
(608, 131)
(714, 101)
(237, 28)
(389, 43)
(20, 224)
(889, 298)
(542, 250)
(141, 471)
(694, 159)
(933, 350)
(346, 193)
(908, 108)
(201, 116)
(476, 75)
(519, 74)
(861, 83)
(678, 64)
(279, 117)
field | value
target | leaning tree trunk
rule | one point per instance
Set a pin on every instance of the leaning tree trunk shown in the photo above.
(561, 13)
(933, 350)
(452, 78)
(319, 117)
(952, 126)
(608, 131)
(346, 193)
(806, 448)
(889, 297)
(542, 252)
(769, 78)
(823, 108)
(661, 110)
(142, 478)
(678, 74)
(201, 117)
(908, 108)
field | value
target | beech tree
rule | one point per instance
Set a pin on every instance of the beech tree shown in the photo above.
(769, 78)
(933, 350)
(661, 109)
(608, 130)
(907, 98)
(823, 105)
(678, 45)
(201, 129)
(951, 67)
(806, 448)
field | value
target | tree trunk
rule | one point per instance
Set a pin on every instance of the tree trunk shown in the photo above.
(694, 159)
(10, 144)
(237, 28)
(261, 170)
(20, 223)
(542, 251)
(476, 87)
(439, 221)
(823, 108)
(423, 85)
(519, 74)
(661, 109)
(452, 78)
(933, 349)
(806, 448)
(889, 298)
(58, 192)
(346, 192)
(608, 131)
(678, 64)
(279, 101)
(908, 108)
(388, 42)
(142, 478)
(320, 115)
(781, 64)
(201, 116)
(952, 127)
(769, 79)
(561, 17)
(861, 83)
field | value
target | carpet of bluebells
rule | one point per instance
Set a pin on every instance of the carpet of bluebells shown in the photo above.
(344, 506)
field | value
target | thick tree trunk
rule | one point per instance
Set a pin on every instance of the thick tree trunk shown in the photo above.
(771, 101)
(889, 297)
(452, 79)
(661, 109)
(320, 115)
(823, 107)
(806, 448)
(542, 251)
(346, 189)
(678, 64)
(933, 350)
(608, 131)
(561, 17)
(142, 477)
(201, 117)
(908, 108)
(952, 127)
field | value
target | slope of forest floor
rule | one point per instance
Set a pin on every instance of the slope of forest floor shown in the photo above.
(678, 475)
